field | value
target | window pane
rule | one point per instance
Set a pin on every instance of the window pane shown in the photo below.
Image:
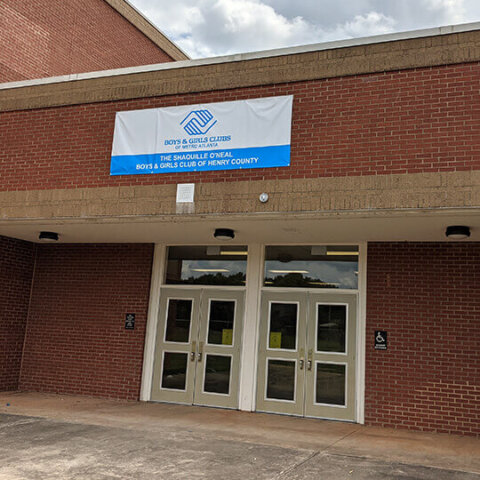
(311, 266)
(283, 326)
(281, 380)
(220, 325)
(217, 374)
(330, 384)
(174, 370)
(331, 320)
(203, 265)
(178, 320)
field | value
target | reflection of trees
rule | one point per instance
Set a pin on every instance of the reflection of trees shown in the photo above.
(216, 279)
(297, 280)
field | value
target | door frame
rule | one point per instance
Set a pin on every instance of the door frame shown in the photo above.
(254, 288)
(197, 348)
(303, 404)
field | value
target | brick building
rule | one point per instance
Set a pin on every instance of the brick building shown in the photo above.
(339, 294)
(46, 38)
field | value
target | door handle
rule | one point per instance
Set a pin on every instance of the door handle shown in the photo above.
(309, 362)
(192, 352)
(200, 351)
(302, 358)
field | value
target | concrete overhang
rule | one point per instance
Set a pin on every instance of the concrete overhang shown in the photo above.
(294, 228)
(415, 207)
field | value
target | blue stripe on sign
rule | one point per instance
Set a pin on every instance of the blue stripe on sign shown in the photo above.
(229, 159)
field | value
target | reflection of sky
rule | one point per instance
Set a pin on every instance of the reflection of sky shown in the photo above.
(233, 267)
(341, 273)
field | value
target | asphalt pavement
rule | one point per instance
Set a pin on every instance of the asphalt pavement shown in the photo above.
(92, 439)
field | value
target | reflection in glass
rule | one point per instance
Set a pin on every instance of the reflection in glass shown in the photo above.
(330, 386)
(174, 370)
(207, 265)
(220, 325)
(281, 380)
(311, 266)
(331, 328)
(178, 320)
(217, 374)
(283, 326)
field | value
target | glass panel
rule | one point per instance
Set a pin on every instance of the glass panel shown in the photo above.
(281, 380)
(330, 386)
(220, 326)
(178, 320)
(331, 320)
(311, 266)
(212, 265)
(174, 370)
(283, 326)
(217, 374)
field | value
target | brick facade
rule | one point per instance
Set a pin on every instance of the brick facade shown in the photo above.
(427, 297)
(76, 341)
(44, 38)
(16, 269)
(424, 120)
(372, 138)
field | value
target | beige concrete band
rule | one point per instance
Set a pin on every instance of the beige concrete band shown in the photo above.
(332, 196)
(337, 62)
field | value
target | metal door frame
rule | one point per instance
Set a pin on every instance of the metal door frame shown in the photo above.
(254, 288)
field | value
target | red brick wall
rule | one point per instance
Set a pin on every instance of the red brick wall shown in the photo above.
(43, 38)
(16, 269)
(427, 297)
(423, 120)
(76, 342)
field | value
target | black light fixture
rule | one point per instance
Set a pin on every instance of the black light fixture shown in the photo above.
(457, 232)
(224, 234)
(48, 237)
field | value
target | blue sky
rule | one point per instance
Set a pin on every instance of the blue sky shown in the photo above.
(205, 28)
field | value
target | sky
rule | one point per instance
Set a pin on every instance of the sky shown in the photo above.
(208, 28)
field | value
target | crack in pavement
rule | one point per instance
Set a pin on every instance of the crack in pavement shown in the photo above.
(403, 464)
(296, 465)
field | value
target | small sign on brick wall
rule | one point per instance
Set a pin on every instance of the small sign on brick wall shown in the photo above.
(130, 321)
(380, 340)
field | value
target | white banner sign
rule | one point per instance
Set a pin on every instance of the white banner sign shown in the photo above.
(193, 138)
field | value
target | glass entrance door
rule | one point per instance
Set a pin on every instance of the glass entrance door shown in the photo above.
(197, 356)
(306, 357)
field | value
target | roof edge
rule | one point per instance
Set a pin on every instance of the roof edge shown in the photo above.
(381, 54)
(152, 32)
(238, 57)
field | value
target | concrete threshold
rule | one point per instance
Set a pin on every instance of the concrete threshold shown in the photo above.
(315, 438)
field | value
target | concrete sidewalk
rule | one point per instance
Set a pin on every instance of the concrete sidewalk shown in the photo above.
(66, 437)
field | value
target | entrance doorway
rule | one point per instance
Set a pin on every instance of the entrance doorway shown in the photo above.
(306, 362)
(197, 355)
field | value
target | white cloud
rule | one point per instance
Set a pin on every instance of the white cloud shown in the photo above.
(218, 27)
(453, 11)
(243, 25)
(365, 25)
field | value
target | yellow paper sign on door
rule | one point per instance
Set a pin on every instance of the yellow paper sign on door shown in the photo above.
(275, 340)
(227, 336)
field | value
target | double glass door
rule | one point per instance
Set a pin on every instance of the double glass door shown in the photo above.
(306, 357)
(197, 355)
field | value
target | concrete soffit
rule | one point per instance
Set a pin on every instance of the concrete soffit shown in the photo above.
(430, 48)
(132, 15)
